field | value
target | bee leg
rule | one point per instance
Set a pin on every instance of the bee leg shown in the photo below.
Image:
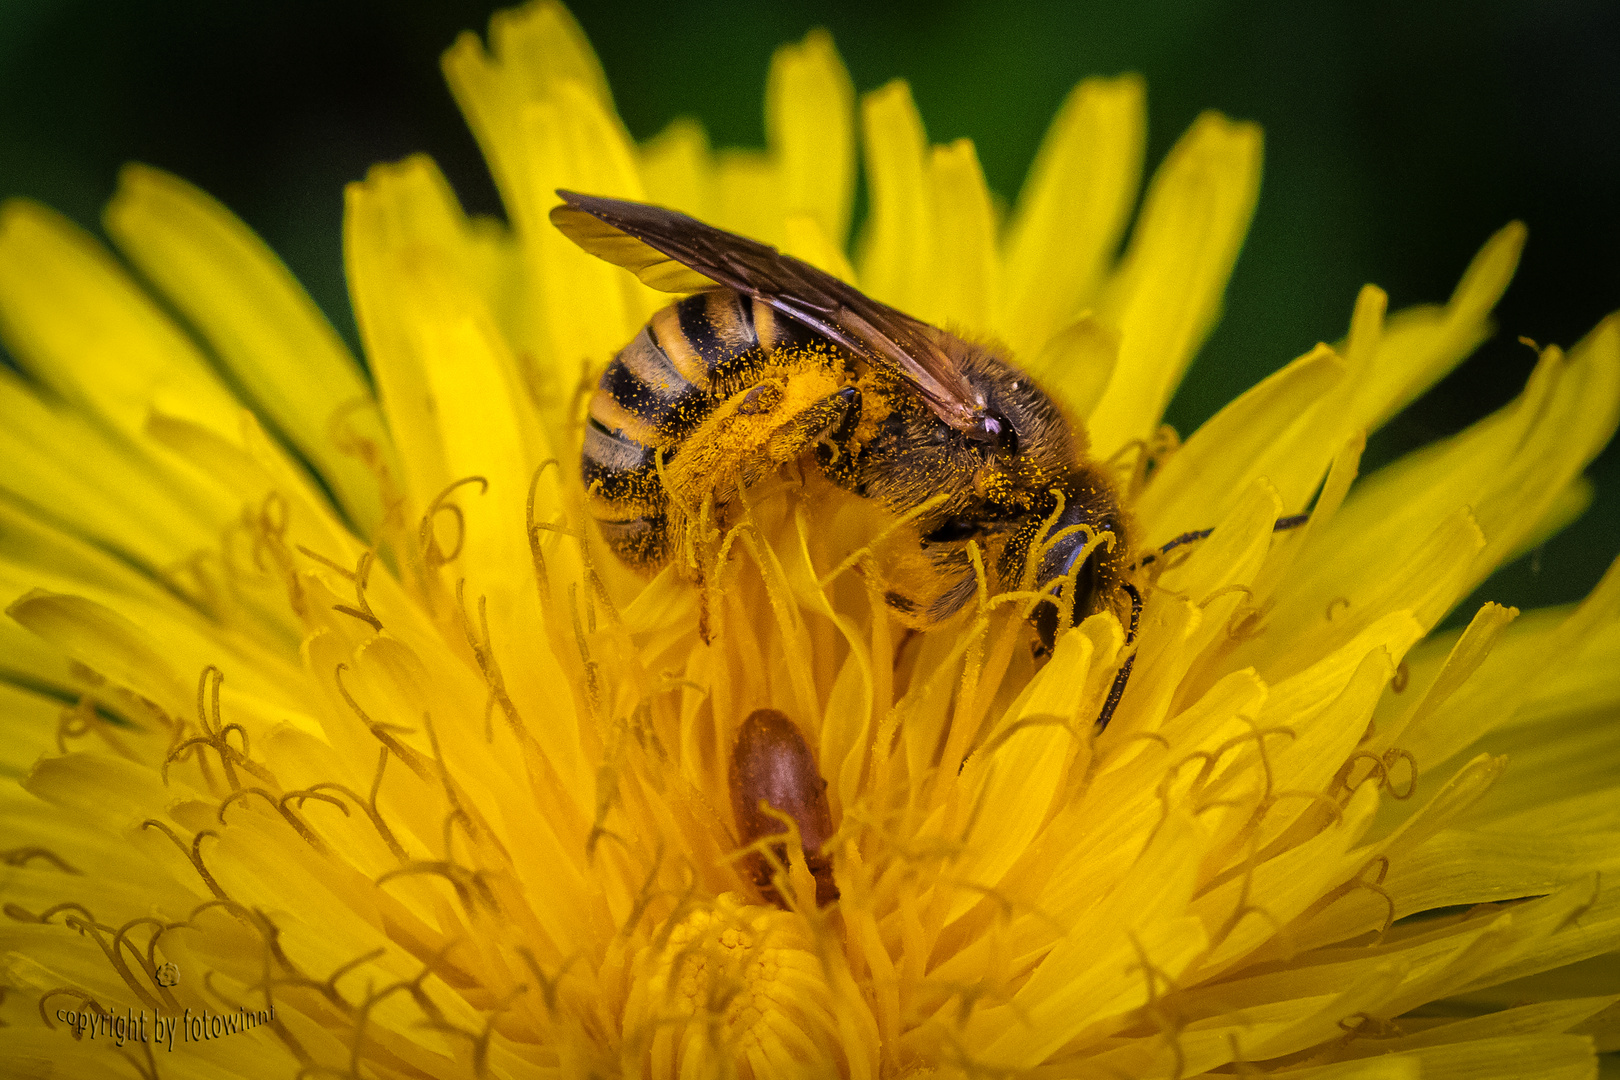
(833, 452)
(640, 542)
(832, 419)
(1117, 691)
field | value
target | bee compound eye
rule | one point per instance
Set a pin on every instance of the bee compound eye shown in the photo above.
(1006, 436)
(994, 434)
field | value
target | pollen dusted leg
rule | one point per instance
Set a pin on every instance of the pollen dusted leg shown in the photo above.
(750, 435)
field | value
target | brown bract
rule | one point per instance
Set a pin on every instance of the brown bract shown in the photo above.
(774, 778)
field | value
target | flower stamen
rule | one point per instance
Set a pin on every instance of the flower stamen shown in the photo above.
(369, 805)
(434, 556)
(280, 806)
(483, 650)
(360, 575)
(19, 857)
(193, 852)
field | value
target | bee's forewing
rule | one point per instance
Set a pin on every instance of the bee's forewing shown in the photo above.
(672, 252)
(621, 248)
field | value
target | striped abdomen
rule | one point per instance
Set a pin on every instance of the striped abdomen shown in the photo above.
(690, 357)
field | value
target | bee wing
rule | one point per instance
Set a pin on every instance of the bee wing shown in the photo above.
(672, 252)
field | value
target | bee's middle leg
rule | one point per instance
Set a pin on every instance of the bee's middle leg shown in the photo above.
(835, 452)
(828, 425)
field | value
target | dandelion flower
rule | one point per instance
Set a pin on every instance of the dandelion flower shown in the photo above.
(337, 745)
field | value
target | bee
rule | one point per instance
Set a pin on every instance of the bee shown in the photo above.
(769, 360)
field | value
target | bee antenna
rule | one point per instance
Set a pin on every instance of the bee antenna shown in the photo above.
(1185, 538)
(1117, 691)
(1282, 524)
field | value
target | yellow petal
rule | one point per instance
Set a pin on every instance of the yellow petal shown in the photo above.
(542, 113)
(966, 266)
(1079, 983)
(747, 201)
(30, 726)
(1273, 431)
(677, 172)
(260, 322)
(1257, 904)
(281, 501)
(533, 51)
(1076, 364)
(1550, 763)
(76, 322)
(26, 660)
(419, 209)
(1166, 294)
(406, 238)
(572, 141)
(1510, 469)
(105, 642)
(35, 556)
(1568, 506)
(100, 487)
(1549, 1057)
(1539, 944)
(1426, 579)
(466, 368)
(1219, 571)
(1421, 344)
(1013, 785)
(810, 130)
(1545, 1017)
(388, 219)
(1341, 473)
(1470, 866)
(1416, 731)
(1324, 732)
(1072, 210)
(897, 249)
(542, 45)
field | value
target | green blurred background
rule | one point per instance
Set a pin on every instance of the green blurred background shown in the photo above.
(1399, 136)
